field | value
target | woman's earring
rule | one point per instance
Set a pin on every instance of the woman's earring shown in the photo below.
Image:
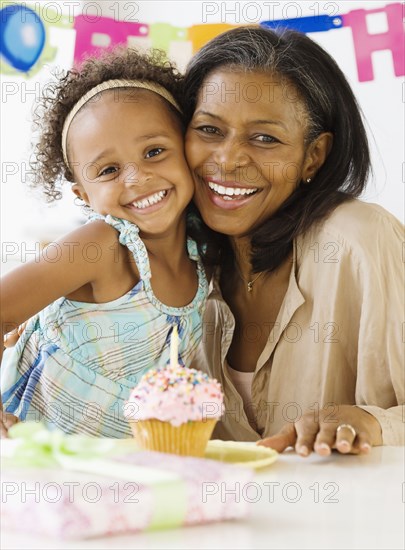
(78, 201)
(308, 180)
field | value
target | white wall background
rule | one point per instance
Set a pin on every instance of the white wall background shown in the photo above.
(26, 220)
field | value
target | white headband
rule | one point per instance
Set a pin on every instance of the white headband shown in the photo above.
(108, 85)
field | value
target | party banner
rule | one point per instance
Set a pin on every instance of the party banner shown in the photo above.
(25, 45)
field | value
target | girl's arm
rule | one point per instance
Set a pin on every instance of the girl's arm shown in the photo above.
(61, 268)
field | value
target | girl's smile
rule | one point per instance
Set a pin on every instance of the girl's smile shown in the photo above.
(128, 158)
(149, 203)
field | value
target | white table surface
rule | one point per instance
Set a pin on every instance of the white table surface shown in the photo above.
(339, 502)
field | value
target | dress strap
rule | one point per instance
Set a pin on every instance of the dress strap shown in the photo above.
(192, 250)
(129, 237)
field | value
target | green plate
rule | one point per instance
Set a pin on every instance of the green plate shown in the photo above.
(240, 453)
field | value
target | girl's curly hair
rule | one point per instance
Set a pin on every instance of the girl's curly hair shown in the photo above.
(58, 98)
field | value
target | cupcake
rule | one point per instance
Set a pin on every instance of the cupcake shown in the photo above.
(174, 410)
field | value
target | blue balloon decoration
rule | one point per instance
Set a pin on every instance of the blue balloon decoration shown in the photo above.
(22, 36)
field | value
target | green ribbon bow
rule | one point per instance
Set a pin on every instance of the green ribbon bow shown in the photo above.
(41, 448)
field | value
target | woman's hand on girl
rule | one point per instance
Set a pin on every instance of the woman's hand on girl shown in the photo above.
(6, 421)
(11, 338)
(351, 431)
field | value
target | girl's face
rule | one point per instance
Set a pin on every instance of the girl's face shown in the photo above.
(127, 154)
(245, 147)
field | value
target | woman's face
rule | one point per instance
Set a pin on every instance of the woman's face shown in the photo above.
(245, 147)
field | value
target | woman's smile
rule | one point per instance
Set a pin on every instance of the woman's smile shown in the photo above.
(247, 156)
(229, 194)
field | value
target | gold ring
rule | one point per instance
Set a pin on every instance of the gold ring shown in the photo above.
(348, 427)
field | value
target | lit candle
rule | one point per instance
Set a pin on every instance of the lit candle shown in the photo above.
(174, 347)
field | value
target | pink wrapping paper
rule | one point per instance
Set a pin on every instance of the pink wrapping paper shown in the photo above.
(72, 505)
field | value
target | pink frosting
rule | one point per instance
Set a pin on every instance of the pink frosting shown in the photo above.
(176, 395)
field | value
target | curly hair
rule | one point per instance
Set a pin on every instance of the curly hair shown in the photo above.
(58, 98)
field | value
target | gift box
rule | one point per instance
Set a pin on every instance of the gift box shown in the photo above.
(74, 487)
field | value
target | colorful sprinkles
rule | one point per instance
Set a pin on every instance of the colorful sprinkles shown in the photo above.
(175, 394)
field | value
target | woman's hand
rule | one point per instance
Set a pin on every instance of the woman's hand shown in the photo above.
(11, 338)
(6, 421)
(350, 431)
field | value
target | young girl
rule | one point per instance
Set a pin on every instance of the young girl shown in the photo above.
(113, 289)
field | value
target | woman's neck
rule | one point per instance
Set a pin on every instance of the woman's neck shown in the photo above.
(242, 249)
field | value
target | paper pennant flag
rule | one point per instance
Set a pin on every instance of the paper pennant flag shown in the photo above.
(201, 34)
(103, 32)
(163, 34)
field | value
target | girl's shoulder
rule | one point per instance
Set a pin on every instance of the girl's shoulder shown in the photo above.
(95, 247)
(95, 243)
(95, 229)
(96, 233)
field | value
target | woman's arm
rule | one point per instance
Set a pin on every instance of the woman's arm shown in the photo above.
(373, 330)
(376, 416)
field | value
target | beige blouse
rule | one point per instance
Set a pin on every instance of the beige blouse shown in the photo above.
(339, 335)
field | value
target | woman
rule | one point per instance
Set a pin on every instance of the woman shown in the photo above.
(303, 326)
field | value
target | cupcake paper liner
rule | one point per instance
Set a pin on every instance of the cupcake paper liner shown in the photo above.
(188, 439)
